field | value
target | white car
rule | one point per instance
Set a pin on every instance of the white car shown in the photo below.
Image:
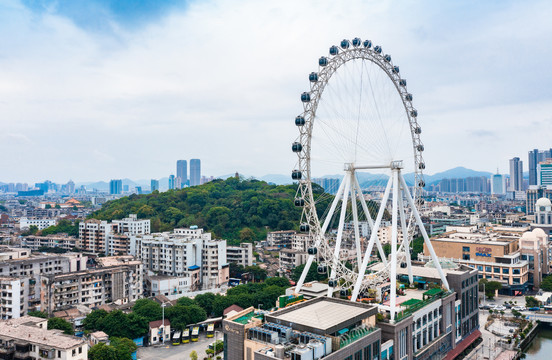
(519, 308)
(499, 308)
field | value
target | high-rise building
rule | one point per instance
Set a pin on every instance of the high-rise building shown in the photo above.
(70, 187)
(535, 157)
(116, 187)
(154, 184)
(516, 174)
(497, 184)
(544, 172)
(195, 172)
(178, 182)
(182, 171)
(171, 182)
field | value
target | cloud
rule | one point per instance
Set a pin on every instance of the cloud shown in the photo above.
(220, 80)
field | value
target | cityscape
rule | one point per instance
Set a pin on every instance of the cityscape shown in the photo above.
(339, 206)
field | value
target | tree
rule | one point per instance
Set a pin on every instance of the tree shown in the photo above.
(417, 247)
(61, 324)
(546, 283)
(193, 355)
(530, 301)
(186, 301)
(205, 301)
(312, 275)
(102, 351)
(124, 346)
(93, 321)
(149, 309)
(278, 281)
(490, 287)
(247, 235)
(256, 272)
(40, 314)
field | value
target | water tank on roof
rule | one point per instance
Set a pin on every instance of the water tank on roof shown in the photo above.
(318, 349)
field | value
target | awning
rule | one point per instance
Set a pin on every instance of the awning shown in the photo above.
(463, 345)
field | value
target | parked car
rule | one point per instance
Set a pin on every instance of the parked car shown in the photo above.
(519, 308)
(499, 308)
(534, 308)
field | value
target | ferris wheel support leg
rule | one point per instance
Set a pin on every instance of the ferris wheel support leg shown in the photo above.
(320, 236)
(424, 234)
(367, 213)
(347, 181)
(355, 218)
(363, 203)
(406, 244)
(362, 269)
(393, 274)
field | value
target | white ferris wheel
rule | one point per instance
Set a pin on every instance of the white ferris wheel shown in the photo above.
(359, 128)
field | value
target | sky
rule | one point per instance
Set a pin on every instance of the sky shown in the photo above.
(95, 90)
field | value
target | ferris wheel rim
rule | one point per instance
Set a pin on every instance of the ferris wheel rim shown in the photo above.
(328, 66)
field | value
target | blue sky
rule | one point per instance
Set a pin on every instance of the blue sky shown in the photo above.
(93, 90)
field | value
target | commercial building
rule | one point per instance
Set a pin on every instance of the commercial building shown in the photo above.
(328, 184)
(516, 174)
(535, 157)
(188, 254)
(431, 324)
(195, 172)
(543, 217)
(495, 254)
(116, 279)
(116, 187)
(314, 329)
(534, 193)
(154, 185)
(498, 184)
(535, 249)
(172, 182)
(241, 255)
(544, 173)
(25, 223)
(29, 338)
(182, 171)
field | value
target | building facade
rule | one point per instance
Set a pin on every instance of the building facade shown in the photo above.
(516, 175)
(182, 171)
(241, 255)
(195, 172)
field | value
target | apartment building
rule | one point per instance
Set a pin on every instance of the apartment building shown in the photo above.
(35, 242)
(26, 223)
(116, 279)
(188, 254)
(111, 239)
(14, 293)
(281, 239)
(241, 255)
(25, 273)
(28, 337)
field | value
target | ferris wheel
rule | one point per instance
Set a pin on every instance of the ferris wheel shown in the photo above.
(359, 128)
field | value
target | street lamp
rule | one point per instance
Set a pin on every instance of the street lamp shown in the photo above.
(163, 321)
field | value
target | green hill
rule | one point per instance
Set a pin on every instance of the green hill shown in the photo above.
(233, 209)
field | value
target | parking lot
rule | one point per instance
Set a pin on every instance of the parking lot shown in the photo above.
(180, 352)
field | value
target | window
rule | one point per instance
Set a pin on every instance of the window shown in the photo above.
(358, 355)
(466, 248)
(480, 267)
(465, 256)
(505, 270)
(487, 269)
(516, 280)
(516, 271)
(368, 352)
(496, 270)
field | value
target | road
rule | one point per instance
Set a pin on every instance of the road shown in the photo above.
(180, 352)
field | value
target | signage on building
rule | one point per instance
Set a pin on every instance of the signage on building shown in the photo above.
(483, 251)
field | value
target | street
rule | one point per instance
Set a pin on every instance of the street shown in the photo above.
(180, 352)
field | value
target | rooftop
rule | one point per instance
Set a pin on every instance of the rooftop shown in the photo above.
(327, 314)
(27, 330)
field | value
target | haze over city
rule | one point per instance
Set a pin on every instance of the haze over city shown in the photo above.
(93, 91)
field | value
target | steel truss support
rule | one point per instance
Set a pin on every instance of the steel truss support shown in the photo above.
(400, 192)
